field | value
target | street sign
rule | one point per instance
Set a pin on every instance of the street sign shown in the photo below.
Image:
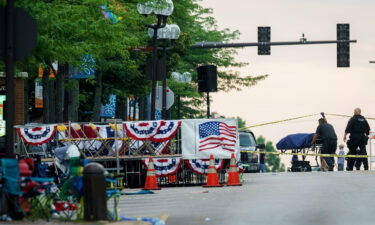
(159, 98)
(25, 34)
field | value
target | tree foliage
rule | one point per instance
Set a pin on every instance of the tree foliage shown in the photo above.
(69, 29)
(273, 162)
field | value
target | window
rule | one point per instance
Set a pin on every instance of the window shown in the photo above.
(247, 140)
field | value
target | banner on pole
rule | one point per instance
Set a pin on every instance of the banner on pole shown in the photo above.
(38, 94)
(85, 70)
(109, 110)
(203, 137)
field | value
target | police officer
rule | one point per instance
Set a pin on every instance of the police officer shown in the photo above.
(359, 129)
(326, 132)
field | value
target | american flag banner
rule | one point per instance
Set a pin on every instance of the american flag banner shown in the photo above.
(203, 137)
(217, 134)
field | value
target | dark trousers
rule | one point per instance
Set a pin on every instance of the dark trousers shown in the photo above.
(353, 144)
(340, 167)
(329, 147)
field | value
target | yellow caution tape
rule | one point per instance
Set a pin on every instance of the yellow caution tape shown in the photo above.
(340, 115)
(279, 121)
(296, 118)
(310, 154)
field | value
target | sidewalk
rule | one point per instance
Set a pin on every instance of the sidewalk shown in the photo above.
(163, 217)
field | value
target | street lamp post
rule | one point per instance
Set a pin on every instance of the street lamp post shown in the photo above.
(169, 32)
(162, 14)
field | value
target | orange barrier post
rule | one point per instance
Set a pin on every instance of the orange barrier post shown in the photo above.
(151, 181)
(233, 174)
(212, 177)
(172, 178)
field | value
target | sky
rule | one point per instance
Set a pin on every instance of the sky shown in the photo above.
(302, 80)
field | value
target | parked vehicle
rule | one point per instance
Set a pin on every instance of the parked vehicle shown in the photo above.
(247, 146)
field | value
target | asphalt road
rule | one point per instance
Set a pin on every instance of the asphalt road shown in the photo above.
(286, 198)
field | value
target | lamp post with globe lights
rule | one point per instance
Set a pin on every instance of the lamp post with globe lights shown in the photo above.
(162, 12)
(169, 32)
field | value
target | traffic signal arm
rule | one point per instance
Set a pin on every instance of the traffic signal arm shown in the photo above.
(249, 44)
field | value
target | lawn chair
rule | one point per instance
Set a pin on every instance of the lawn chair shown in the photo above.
(35, 193)
(10, 188)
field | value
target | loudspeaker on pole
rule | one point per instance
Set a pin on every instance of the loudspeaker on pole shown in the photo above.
(207, 78)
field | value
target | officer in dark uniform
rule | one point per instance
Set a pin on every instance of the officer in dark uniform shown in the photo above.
(359, 129)
(327, 134)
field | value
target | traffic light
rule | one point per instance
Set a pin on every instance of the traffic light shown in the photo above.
(264, 39)
(343, 48)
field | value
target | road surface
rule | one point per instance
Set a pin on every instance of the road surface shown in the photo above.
(343, 198)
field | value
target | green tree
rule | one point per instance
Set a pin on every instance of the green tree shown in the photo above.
(241, 122)
(69, 29)
(273, 162)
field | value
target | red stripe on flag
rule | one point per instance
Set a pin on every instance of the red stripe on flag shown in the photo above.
(218, 138)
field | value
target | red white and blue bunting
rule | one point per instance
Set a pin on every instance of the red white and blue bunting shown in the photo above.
(200, 166)
(37, 135)
(155, 131)
(164, 166)
(142, 131)
(167, 131)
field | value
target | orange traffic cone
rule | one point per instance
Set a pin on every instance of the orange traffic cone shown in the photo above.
(172, 179)
(151, 181)
(233, 176)
(212, 177)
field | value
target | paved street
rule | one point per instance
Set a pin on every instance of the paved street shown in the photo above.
(287, 198)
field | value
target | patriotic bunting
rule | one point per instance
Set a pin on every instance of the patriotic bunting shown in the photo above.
(167, 131)
(37, 135)
(164, 166)
(155, 131)
(200, 166)
(142, 131)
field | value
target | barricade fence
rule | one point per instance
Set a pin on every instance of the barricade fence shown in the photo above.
(106, 143)
(93, 140)
(135, 174)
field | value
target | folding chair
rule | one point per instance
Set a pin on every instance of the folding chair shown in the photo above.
(34, 192)
(40, 194)
(11, 176)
